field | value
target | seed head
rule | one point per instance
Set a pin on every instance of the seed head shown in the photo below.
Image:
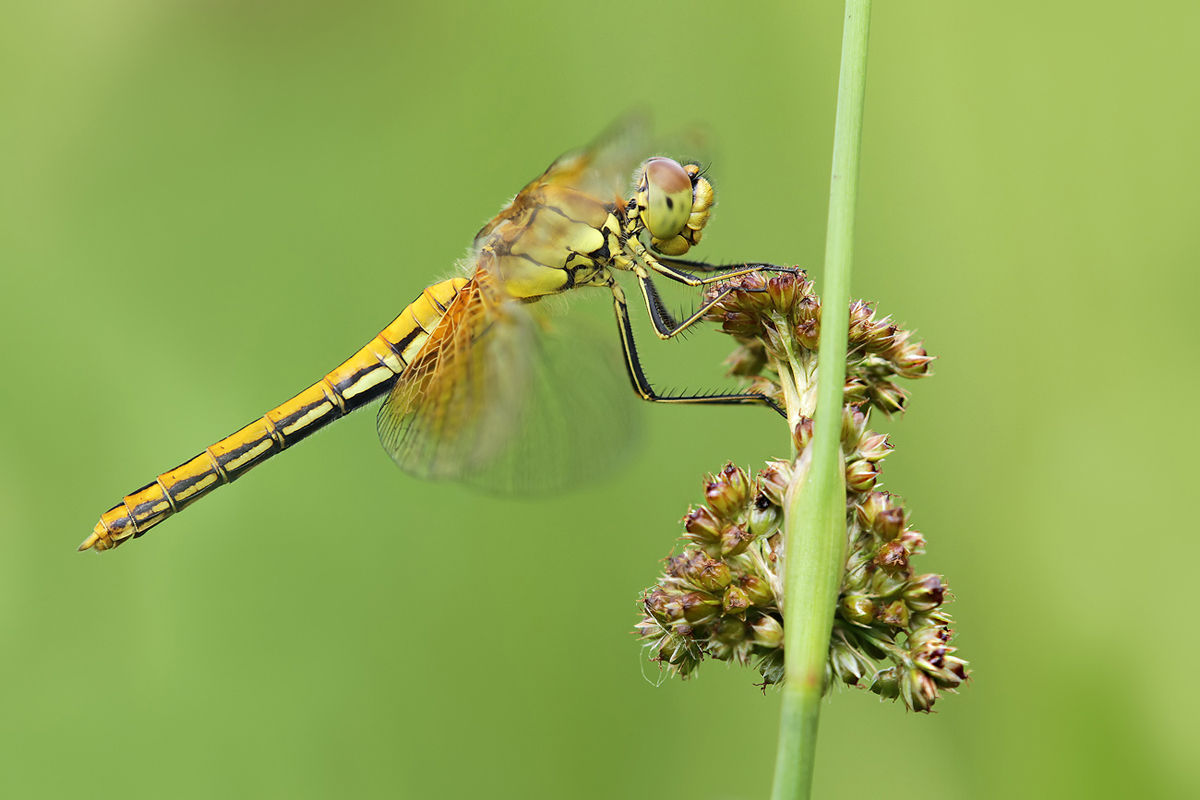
(722, 596)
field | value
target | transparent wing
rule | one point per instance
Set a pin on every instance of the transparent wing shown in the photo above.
(432, 421)
(511, 397)
(604, 169)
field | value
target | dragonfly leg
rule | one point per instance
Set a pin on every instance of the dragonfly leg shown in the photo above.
(689, 265)
(665, 324)
(669, 268)
(641, 386)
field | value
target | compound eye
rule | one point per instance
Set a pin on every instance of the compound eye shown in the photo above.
(668, 197)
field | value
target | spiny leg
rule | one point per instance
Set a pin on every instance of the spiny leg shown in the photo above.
(664, 322)
(665, 325)
(690, 265)
(641, 386)
(663, 267)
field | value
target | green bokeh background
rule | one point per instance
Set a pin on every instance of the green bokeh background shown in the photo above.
(206, 205)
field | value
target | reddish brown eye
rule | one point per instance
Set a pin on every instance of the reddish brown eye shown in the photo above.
(668, 197)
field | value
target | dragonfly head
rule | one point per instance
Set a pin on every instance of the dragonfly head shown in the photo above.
(673, 201)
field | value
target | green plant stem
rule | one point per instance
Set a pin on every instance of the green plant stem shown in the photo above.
(815, 511)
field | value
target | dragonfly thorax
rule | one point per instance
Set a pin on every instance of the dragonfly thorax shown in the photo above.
(556, 236)
(559, 238)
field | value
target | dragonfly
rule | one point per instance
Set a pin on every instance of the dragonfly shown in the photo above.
(449, 365)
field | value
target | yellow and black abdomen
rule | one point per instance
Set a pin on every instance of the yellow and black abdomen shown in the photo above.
(369, 373)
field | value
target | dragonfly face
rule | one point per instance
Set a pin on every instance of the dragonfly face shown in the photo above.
(458, 365)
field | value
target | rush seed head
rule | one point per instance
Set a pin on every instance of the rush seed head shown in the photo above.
(769, 316)
(720, 597)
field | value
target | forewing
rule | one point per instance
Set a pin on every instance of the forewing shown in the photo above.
(604, 169)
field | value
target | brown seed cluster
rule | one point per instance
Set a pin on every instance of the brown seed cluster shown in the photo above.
(886, 611)
(719, 597)
(768, 316)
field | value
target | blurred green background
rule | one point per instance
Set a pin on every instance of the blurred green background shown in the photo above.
(206, 205)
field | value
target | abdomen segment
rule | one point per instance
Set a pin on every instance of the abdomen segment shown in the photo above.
(368, 374)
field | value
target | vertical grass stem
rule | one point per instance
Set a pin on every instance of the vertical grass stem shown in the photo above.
(815, 510)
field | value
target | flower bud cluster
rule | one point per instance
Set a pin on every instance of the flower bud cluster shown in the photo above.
(720, 597)
(887, 612)
(767, 316)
